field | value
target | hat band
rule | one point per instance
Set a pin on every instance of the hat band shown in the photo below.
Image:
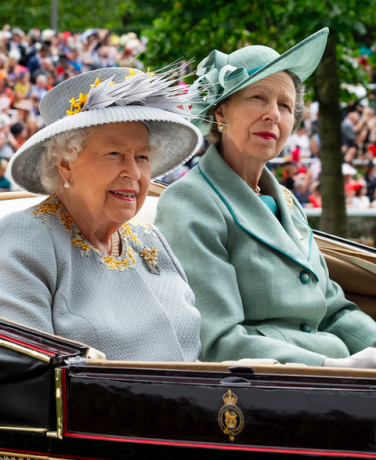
(252, 71)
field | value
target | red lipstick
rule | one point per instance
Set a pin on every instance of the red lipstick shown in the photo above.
(266, 135)
(125, 195)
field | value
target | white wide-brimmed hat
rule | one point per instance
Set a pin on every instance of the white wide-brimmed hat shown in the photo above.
(113, 95)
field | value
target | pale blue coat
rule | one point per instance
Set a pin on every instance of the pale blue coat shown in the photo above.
(53, 280)
(261, 290)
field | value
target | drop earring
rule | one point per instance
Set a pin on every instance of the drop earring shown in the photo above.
(66, 184)
(221, 128)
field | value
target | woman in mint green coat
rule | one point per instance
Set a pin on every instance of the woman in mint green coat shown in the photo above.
(261, 284)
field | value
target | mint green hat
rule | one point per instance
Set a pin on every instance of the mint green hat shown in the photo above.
(221, 75)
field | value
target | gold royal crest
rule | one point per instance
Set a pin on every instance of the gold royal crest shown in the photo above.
(230, 417)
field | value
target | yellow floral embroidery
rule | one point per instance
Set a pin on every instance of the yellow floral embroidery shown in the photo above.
(115, 264)
(148, 228)
(53, 206)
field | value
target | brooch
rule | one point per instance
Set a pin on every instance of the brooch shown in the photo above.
(150, 256)
(288, 196)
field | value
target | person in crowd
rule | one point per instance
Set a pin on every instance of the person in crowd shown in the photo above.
(362, 143)
(349, 182)
(7, 141)
(5, 90)
(261, 284)
(315, 140)
(350, 128)
(314, 198)
(19, 132)
(299, 140)
(4, 182)
(40, 87)
(370, 179)
(289, 171)
(359, 199)
(22, 87)
(88, 272)
(75, 60)
(18, 43)
(22, 115)
(35, 101)
(35, 62)
(300, 192)
(32, 127)
(14, 70)
(47, 68)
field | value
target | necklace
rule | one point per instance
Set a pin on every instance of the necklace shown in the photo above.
(114, 243)
(258, 189)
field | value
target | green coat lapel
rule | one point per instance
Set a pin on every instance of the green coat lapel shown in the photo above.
(291, 221)
(251, 214)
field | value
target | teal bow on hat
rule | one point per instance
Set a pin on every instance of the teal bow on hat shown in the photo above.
(221, 75)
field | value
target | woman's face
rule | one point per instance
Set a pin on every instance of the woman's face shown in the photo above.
(110, 178)
(259, 118)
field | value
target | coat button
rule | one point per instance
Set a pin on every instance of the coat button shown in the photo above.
(304, 277)
(305, 328)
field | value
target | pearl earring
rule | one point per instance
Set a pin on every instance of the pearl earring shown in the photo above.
(221, 128)
(66, 184)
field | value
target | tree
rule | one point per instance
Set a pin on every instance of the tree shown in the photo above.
(194, 27)
(73, 15)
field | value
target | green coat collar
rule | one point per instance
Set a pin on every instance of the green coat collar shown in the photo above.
(246, 208)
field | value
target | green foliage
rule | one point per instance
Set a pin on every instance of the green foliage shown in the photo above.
(26, 14)
(195, 27)
(73, 15)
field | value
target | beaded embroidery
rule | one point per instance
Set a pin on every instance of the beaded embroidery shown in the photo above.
(53, 206)
(288, 196)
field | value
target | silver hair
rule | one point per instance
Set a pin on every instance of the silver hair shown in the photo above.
(68, 145)
(215, 137)
(65, 145)
(299, 101)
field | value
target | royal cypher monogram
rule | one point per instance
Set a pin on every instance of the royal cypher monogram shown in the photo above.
(230, 417)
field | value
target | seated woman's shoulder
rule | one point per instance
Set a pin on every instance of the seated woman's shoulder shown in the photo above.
(31, 227)
(19, 221)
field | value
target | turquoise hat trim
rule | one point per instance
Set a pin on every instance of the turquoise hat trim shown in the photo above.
(220, 74)
(255, 70)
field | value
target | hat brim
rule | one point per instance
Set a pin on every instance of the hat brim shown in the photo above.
(177, 140)
(302, 59)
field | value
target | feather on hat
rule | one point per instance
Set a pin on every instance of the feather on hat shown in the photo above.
(114, 95)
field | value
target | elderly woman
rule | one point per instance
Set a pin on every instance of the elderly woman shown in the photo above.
(261, 284)
(76, 265)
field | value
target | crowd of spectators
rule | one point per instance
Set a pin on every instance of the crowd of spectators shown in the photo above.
(301, 165)
(32, 63)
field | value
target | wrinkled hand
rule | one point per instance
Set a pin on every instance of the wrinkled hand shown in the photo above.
(365, 359)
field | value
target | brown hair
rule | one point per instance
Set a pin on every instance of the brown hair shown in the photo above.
(215, 137)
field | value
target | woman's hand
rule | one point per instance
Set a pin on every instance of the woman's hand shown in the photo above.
(365, 359)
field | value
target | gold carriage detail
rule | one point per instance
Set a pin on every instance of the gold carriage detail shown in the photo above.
(230, 417)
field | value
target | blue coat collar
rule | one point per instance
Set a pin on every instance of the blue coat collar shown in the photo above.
(251, 214)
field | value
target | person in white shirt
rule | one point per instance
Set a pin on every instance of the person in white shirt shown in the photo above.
(360, 200)
(300, 140)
